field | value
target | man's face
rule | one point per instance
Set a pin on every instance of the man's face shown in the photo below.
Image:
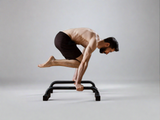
(106, 50)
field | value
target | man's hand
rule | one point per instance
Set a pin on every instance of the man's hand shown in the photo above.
(79, 87)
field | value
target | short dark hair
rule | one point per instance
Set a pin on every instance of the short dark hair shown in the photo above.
(113, 43)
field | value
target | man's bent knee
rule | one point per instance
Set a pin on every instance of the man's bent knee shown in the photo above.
(80, 58)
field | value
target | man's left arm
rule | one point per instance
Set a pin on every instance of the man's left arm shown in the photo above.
(76, 71)
(84, 63)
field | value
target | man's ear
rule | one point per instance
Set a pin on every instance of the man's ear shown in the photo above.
(107, 44)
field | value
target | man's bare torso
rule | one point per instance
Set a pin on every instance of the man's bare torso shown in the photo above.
(82, 36)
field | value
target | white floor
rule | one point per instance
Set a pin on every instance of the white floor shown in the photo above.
(118, 102)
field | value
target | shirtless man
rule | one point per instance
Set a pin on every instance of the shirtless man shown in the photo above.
(66, 42)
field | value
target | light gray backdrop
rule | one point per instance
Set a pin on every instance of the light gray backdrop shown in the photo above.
(28, 27)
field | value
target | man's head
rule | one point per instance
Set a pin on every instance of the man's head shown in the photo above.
(109, 45)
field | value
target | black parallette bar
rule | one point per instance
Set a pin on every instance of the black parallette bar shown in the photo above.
(51, 88)
(68, 82)
(70, 88)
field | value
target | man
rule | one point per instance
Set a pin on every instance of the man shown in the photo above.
(66, 42)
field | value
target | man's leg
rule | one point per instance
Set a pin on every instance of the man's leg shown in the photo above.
(61, 62)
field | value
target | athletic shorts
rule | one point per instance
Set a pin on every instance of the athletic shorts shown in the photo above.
(66, 46)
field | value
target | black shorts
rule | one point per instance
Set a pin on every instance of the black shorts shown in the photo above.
(66, 46)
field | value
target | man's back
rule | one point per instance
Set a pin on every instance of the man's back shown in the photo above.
(82, 36)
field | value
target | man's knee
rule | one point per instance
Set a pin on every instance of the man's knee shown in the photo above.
(80, 58)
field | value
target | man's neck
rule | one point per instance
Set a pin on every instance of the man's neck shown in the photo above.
(100, 44)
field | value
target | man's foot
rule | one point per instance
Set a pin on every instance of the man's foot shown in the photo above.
(49, 63)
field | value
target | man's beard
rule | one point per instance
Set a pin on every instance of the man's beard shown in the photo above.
(101, 50)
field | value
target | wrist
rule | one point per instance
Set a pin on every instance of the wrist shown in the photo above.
(78, 80)
(76, 83)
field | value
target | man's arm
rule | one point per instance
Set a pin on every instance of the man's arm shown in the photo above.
(76, 71)
(84, 63)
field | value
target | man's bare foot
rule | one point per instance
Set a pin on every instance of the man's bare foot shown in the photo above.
(49, 63)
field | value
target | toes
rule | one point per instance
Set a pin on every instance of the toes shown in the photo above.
(39, 65)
